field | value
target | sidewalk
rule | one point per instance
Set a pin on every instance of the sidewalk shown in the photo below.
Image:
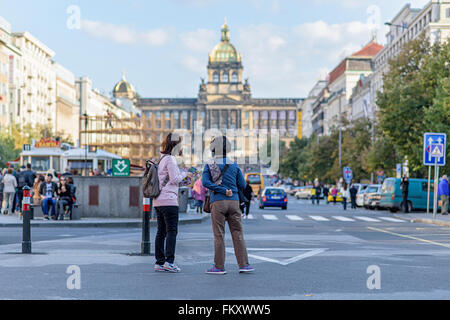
(440, 220)
(15, 222)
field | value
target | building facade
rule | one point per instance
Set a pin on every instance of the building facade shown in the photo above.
(307, 109)
(407, 25)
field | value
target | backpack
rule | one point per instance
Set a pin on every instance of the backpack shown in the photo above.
(22, 180)
(150, 181)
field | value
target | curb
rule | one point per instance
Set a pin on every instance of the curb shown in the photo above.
(111, 224)
(427, 221)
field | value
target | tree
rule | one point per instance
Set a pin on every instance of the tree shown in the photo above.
(409, 90)
(8, 152)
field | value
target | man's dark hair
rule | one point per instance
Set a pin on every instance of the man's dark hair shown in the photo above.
(50, 175)
(28, 165)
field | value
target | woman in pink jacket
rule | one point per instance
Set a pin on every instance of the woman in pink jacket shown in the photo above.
(166, 205)
(199, 193)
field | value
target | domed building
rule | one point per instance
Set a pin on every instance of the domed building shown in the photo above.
(224, 102)
(124, 89)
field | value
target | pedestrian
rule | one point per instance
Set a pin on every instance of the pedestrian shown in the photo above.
(166, 204)
(48, 191)
(36, 186)
(334, 193)
(248, 194)
(318, 192)
(405, 187)
(16, 175)
(224, 179)
(444, 193)
(326, 192)
(353, 193)
(199, 194)
(1, 190)
(64, 198)
(9, 192)
(345, 195)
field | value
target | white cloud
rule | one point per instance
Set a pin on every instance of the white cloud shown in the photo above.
(201, 40)
(194, 64)
(122, 34)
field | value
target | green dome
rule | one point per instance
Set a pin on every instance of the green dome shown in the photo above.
(224, 51)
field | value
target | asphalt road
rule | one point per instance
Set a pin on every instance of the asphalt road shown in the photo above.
(306, 252)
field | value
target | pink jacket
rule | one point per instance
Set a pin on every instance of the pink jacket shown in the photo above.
(199, 191)
(169, 194)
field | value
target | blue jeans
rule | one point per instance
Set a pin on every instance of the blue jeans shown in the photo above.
(45, 206)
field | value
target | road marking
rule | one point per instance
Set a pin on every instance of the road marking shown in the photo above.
(270, 217)
(411, 237)
(309, 253)
(319, 218)
(392, 219)
(368, 219)
(343, 219)
(250, 217)
(294, 218)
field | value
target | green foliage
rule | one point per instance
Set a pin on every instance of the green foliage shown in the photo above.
(8, 151)
(415, 98)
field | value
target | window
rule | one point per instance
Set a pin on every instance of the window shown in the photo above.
(41, 164)
(216, 77)
(234, 77)
(225, 77)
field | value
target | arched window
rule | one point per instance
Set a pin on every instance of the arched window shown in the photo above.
(216, 77)
(234, 78)
(225, 77)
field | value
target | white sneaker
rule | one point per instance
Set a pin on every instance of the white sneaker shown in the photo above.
(170, 267)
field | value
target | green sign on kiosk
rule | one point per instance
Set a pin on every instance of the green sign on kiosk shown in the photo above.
(121, 168)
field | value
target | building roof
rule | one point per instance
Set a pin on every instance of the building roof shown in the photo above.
(370, 50)
(124, 89)
(224, 51)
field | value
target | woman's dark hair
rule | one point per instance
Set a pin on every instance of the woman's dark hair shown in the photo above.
(172, 141)
(220, 146)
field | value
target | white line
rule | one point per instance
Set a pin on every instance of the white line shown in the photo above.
(269, 217)
(392, 219)
(250, 217)
(368, 219)
(411, 237)
(294, 218)
(343, 219)
(319, 218)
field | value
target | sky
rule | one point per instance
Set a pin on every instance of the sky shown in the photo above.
(163, 45)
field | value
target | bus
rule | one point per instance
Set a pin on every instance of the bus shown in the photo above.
(256, 181)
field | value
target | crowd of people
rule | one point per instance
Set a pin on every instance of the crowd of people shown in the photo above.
(53, 192)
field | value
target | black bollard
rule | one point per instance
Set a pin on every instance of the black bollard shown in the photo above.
(26, 213)
(147, 212)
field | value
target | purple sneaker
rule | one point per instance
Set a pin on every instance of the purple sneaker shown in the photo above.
(246, 269)
(214, 270)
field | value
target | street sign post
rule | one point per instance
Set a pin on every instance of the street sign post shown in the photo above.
(348, 175)
(434, 153)
(121, 168)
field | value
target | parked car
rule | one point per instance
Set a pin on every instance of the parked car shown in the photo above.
(273, 197)
(294, 190)
(304, 193)
(360, 186)
(338, 197)
(392, 199)
(372, 196)
(360, 196)
(370, 193)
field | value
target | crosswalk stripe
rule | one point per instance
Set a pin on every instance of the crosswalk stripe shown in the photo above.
(367, 219)
(294, 218)
(343, 219)
(269, 217)
(392, 219)
(319, 218)
(251, 217)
